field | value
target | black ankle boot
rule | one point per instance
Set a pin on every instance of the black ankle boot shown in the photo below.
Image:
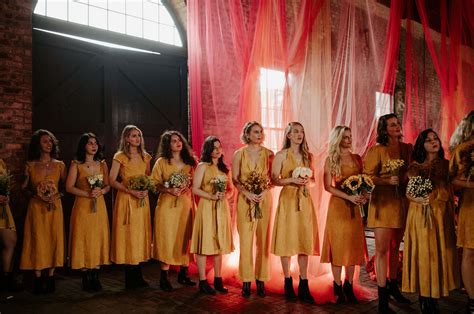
(394, 291)
(470, 306)
(165, 284)
(38, 285)
(183, 277)
(340, 298)
(50, 284)
(303, 292)
(289, 290)
(204, 287)
(434, 306)
(95, 282)
(219, 286)
(130, 277)
(349, 292)
(260, 288)
(11, 284)
(383, 307)
(425, 306)
(141, 283)
(86, 280)
(246, 289)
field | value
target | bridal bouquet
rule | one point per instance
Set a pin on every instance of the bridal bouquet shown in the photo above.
(47, 189)
(393, 167)
(141, 183)
(5, 187)
(357, 185)
(95, 181)
(302, 172)
(256, 183)
(178, 180)
(219, 184)
(420, 187)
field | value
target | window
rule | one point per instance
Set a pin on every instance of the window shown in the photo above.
(148, 19)
(272, 86)
(382, 104)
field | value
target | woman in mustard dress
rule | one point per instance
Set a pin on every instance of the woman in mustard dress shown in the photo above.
(253, 158)
(430, 265)
(89, 230)
(388, 206)
(131, 223)
(344, 239)
(296, 227)
(461, 168)
(173, 224)
(43, 240)
(7, 237)
(212, 231)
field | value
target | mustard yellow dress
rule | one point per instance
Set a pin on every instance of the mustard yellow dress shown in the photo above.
(296, 226)
(43, 239)
(89, 237)
(458, 168)
(430, 264)
(173, 225)
(344, 239)
(386, 209)
(131, 224)
(248, 226)
(6, 218)
(212, 231)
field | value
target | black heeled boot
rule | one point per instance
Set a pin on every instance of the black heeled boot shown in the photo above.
(383, 307)
(11, 284)
(165, 284)
(246, 289)
(219, 285)
(303, 292)
(204, 287)
(425, 307)
(260, 288)
(50, 284)
(95, 282)
(349, 292)
(183, 277)
(434, 306)
(38, 285)
(141, 283)
(86, 280)
(394, 291)
(130, 277)
(289, 290)
(340, 298)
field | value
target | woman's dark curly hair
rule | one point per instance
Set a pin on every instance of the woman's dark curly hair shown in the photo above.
(419, 152)
(207, 149)
(34, 150)
(382, 134)
(164, 148)
(81, 148)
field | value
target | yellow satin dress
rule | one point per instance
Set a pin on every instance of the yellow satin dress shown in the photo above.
(248, 226)
(173, 225)
(296, 226)
(458, 168)
(89, 237)
(6, 218)
(131, 223)
(212, 230)
(430, 264)
(43, 239)
(344, 239)
(386, 209)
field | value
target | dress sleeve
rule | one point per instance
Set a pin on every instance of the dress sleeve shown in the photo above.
(121, 158)
(372, 162)
(147, 157)
(157, 172)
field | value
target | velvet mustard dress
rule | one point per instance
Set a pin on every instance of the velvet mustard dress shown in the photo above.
(131, 223)
(89, 237)
(6, 218)
(43, 239)
(249, 226)
(430, 265)
(173, 225)
(459, 166)
(344, 239)
(296, 226)
(212, 230)
(387, 209)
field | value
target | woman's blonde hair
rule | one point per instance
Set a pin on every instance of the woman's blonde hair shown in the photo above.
(244, 136)
(304, 148)
(334, 149)
(124, 146)
(463, 132)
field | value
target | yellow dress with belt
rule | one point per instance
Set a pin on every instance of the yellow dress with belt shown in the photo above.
(248, 226)
(43, 240)
(212, 231)
(6, 218)
(430, 265)
(459, 166)
(344, 239)
(89, 237)
(131, 223)
(173, 225)
(387, 209)
(296, 226)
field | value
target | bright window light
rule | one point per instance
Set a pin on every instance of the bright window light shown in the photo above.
(383, 103)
